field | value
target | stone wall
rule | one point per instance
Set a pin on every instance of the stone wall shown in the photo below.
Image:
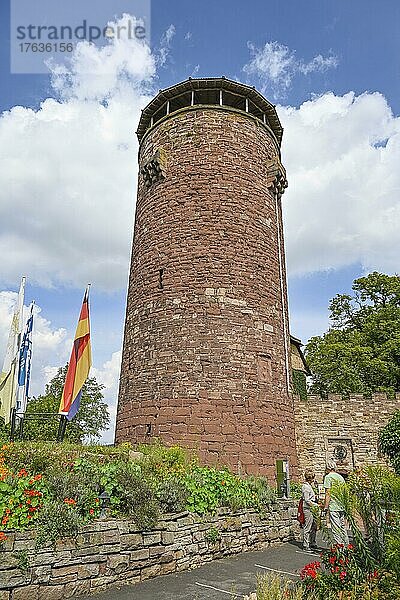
(113, 553)
(345, 429)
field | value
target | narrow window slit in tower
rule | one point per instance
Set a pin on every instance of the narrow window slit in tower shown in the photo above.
(160, 279)
(148, 428)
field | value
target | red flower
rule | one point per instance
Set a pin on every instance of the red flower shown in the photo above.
(310, 570)
(350, 547)
(22, 473)
(91, 511)
(70, 501)
(373, 575)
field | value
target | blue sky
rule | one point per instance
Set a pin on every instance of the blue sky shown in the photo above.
(333, 69)
(364, 35)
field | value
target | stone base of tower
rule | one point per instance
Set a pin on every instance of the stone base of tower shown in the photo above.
(248, 439)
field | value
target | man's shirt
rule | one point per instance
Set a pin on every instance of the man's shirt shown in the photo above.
(333, 478)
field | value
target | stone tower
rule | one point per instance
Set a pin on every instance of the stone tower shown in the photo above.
(206, 347)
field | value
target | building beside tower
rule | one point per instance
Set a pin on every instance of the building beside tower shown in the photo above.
(206, 355)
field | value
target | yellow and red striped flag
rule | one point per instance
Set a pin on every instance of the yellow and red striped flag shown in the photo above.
(79, 364)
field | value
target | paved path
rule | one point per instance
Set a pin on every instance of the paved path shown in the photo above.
(225, 578)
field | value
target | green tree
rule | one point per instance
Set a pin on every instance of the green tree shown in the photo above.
(360, 352)
(92, 417)
(389, 441)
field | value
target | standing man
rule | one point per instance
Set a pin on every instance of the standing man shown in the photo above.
(335, 510)
(309, 504)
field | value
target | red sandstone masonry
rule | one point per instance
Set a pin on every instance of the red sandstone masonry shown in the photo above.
(195, 363)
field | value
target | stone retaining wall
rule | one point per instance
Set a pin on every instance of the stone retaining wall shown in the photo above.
(114, 553)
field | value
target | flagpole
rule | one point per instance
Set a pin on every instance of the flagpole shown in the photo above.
(28, 361)
(21, 298)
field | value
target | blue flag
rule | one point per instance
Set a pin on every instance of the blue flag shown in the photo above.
(25, 353)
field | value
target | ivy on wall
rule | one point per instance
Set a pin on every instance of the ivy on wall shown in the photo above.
(299, 383)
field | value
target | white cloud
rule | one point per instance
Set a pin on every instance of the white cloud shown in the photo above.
(68, 185)
(108, 375)
(68, 175)
(51, 348)
(165, 45)
(275, 65)
(50, 345)
(195, 71)
(342, 206)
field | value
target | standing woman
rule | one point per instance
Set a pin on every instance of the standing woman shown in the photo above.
(309, 503)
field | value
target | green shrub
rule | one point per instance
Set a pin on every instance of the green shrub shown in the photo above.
(55, 521)
(389, 441)
(210, 488)
(165, 461)
(205, 486)
(131, 494)
(393, 554)
(212, 535)
(266, 495)
(21, 498)
(22, 557)
(371, 496)
(53, 457)
(81, 488)
(39, 457)
(161, 480)
(295, 490)
(172, 495)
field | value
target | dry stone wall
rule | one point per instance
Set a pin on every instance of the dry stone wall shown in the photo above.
(345, 429)
(113, 553)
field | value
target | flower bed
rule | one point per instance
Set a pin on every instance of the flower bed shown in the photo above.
(54, 489)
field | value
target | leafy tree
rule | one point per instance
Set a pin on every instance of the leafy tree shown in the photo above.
(360, 352)
(389, 441)
(92, 417)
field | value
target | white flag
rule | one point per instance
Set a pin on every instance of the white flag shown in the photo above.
(8, 377)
